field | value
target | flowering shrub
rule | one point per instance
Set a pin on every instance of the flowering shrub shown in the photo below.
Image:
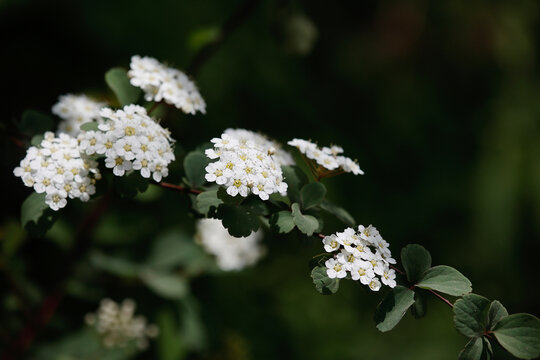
(280, 190)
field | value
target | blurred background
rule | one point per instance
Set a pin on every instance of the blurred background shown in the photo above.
(438, 101)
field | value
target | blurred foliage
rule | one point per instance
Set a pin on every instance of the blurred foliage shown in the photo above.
(438, 100)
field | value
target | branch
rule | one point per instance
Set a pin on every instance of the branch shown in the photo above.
(232, 23)
(178, 188)
(49, 305)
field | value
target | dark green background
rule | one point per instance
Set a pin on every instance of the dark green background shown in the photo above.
(438, 100)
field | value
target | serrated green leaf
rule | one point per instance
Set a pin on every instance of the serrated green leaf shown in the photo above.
(237, 220)
(473, 350)
(312, 194)
(89, 126)
(416, 260)
(496, 312)
(295, 179)
(419, 308)
(392, 308)
(35, 123)
(118, 81)
(194, 165)
(207, 200)
(323, 283)
(169, 286)
(471, 315)
(282, 222)
(306, 223)
(445, 279)
(519, 334)
(338, 212)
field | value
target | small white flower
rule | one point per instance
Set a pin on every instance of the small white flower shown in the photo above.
(335, 269)
(244, 165)
(58, 168)
(388, 278)
(76, 110)
(327, 157)
(162, 83)
(331, 243)
(231, 253)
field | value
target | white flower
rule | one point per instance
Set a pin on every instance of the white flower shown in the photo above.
(130, 139)
(162, 83)
(331, 243)
(231, 253)
(335, 269)
(118, 327)
(244, 166)
(75, 110)
(59, 169)
(363, 253)
(327, 157)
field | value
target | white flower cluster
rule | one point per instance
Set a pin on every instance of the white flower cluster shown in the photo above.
(244, 168)
(160, 82)
(117, 326)
(327, 157)
(231, 253)
(75, 110)
(130, 139)
(262, 143)
(364, 254)
(58, 169)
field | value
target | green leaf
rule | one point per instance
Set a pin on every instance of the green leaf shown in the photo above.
(169, 286)
(473, 350)
(194, 165)
(445, 279)
(392, 308)
(419, 307)
(470, 315)
(173, 249)
(295, 179)
(192, 325)
(206, 201)
(519, 334)
(36, 140)
(237, 220)
(114, 265)
(312, 194)
(131, 184)
(323, 283)
(117, 79)
(36, 216)
(35, 123)
(416, 261)
(338, 212)
(32, 208)
(254, 205)
(496, 312)
(89, 126)
(306, 223)
(282, 222)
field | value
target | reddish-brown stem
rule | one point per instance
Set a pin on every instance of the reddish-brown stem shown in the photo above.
(319, 235)
(442, 298)
(178, 188)
(49, 305)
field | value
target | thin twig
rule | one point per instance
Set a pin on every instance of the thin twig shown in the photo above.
(233, 22)
(441, 298)
(178, 188)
